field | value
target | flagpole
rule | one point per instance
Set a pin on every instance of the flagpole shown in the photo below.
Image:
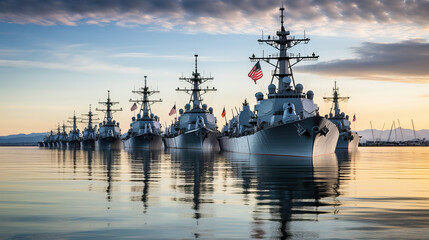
(176, 108)
(225, 115)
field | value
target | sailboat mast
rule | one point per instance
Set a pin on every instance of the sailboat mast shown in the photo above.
(400, 128)
(396, 134)
(390, 133)
(412, 122)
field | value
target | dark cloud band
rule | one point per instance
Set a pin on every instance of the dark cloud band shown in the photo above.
(405, 61)
(50, 12)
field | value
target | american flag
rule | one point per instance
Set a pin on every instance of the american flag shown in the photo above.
(256, 72)
(134, 107)
(173, 110)
(223, 112)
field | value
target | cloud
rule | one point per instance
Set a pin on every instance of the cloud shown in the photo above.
(81, 66)
(214, 16)
(405, 61)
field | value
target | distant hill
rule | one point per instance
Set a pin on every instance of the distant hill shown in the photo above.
(21, 139)
(406, 133)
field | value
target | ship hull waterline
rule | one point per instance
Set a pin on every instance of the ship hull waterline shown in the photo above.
(284, 139)
(74, 144)
(88, 143)
(146, 141)
(344, 143)
(108, 143)
(198, 139)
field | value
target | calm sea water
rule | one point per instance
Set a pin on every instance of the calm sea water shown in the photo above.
(79, 194)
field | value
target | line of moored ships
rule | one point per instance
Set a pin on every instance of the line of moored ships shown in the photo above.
(285, 121)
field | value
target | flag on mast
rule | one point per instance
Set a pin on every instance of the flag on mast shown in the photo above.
(173, 110)
(354, 117)
(256, 72)
(134, 107)
(223, 112)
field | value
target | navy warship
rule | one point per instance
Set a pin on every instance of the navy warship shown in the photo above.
(90, 131)
(74, 135)
(63, 137)
(109, 133)
(57, 137)
(145, 130)
(196, 126)
(348, 139)
(287, 121)
(45, 140)
(51, 139)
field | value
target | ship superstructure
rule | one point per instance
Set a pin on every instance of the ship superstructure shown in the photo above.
(57, 137)
(49, 139)
(109, 133)
(347, 139)
(74, 135)
(145, 130)
(285, 121)
(196, 126)
(90, 131)
(64, 136)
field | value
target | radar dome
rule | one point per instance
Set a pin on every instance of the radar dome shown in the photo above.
(299, 88)
(204, 106)
(210, 110)
(180, 111)
(310, 94)
(197, 103)
(271, 88)
(187, 106)
(286, 81)
(259, 96)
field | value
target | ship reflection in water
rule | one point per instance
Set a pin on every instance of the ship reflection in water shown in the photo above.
(186, 194)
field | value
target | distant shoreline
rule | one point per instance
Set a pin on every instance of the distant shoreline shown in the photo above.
(18, 144)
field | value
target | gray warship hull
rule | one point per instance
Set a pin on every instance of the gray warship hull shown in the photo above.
(346, 143)
(63, 144)
(108, 143)
(285, 140)
(146, 141)
(74, 144)
(196, 139)
(88, 143)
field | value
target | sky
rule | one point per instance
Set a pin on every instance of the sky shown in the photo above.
(58, 57)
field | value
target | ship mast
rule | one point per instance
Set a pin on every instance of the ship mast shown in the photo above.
(109, 111)
(285, 60)
(335, 99)
(64, 128)
(73, 120)
(145, 101)
(89, 119)
(196, 92)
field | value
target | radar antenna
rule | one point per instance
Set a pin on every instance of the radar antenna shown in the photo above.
(145, 102)
(89, 118)
(285, 60)
(196, 80)
(335, 99)
(108, 118)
